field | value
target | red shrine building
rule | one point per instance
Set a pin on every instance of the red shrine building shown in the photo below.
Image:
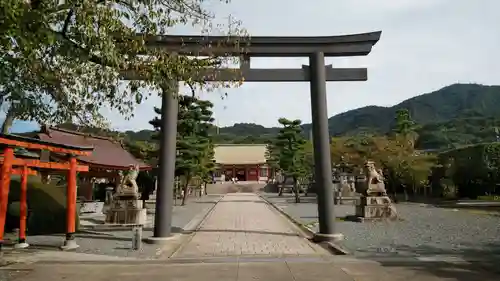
(108, 156)
(246, 162)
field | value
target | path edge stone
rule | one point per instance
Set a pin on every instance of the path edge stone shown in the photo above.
(194, 224)
(307, 232)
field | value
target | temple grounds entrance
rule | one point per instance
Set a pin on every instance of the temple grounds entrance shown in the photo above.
(316, 73)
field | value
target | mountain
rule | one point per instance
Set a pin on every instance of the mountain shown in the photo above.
(448, 103)
(454, 115)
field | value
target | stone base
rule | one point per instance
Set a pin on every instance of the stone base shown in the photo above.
(126, 216)
(161, 240)
(23, 245)
(69, 245)
(347, 200)
(126, 212)
(125, 196)
(375, 207)
(320, 237)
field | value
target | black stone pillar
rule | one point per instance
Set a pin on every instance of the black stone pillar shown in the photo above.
(166, 169)
(321, 143)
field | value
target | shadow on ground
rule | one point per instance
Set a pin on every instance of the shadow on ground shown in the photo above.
(48, 242)
(490, 210)
(242, 201)
(250, 231)
(204, 202)
(465, 265)
(290, 198)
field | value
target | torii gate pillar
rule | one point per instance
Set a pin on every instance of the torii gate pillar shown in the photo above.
(321, 144)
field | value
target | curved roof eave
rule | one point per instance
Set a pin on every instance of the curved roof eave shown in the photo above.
(266, 46)
(47, 143)
(279, 40)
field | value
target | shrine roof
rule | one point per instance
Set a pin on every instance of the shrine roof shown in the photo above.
(240, 154)
(108, 153)
(35, 143)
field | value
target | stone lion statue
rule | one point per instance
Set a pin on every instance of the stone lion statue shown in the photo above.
(127, 182)
(374, 180)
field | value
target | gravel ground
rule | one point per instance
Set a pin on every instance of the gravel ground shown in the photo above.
(424, 230)
(118, 243)
(8, 275)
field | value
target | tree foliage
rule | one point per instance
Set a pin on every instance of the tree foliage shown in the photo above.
(143, 150)
(405, 167)
(61, 60)
(472, 170)
(272, 154)
(289, 151)
(194, 144)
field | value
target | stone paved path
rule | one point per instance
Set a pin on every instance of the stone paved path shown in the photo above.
(334, 270)
(243, 224)
(244, 239)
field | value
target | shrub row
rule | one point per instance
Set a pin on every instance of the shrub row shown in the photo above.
(469, 171)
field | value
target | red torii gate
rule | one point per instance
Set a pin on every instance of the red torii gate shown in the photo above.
(10, 165)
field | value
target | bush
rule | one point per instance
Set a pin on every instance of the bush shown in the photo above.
(474, 170)
(46, 207)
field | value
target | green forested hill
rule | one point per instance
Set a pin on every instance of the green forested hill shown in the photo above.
(452, 102)
(457, 132)
(454, 115)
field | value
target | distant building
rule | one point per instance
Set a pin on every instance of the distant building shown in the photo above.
(246, 162)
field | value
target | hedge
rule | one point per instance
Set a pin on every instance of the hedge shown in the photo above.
(46, 207)
(474, 169)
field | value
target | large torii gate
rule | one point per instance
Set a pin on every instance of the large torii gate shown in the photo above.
(315, 48)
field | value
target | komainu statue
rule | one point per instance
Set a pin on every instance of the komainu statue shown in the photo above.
(127, 182)
(374, 180)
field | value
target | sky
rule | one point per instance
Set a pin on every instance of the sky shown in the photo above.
(425, 45)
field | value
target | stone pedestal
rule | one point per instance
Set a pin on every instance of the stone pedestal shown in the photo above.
(375, 207)
(345, 194)
(152, 197)
(126, 210)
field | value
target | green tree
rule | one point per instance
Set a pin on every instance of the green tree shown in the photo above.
(404, 168)
(292, 160)
(272, 154)
(405, 126)
(64, 60)
(272, 160)
(143, 150)
(207, 166)
(194, 145)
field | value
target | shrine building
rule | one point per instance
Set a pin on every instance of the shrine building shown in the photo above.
(108, 157)
(246, 162)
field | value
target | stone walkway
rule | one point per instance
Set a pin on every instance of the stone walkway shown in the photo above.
(245, 239)
(244, 224)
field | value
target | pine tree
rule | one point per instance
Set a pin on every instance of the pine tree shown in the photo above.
(405, 127)
(194, 143)
(292, 155)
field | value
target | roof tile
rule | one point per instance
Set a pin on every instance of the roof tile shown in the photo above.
(107, 152)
